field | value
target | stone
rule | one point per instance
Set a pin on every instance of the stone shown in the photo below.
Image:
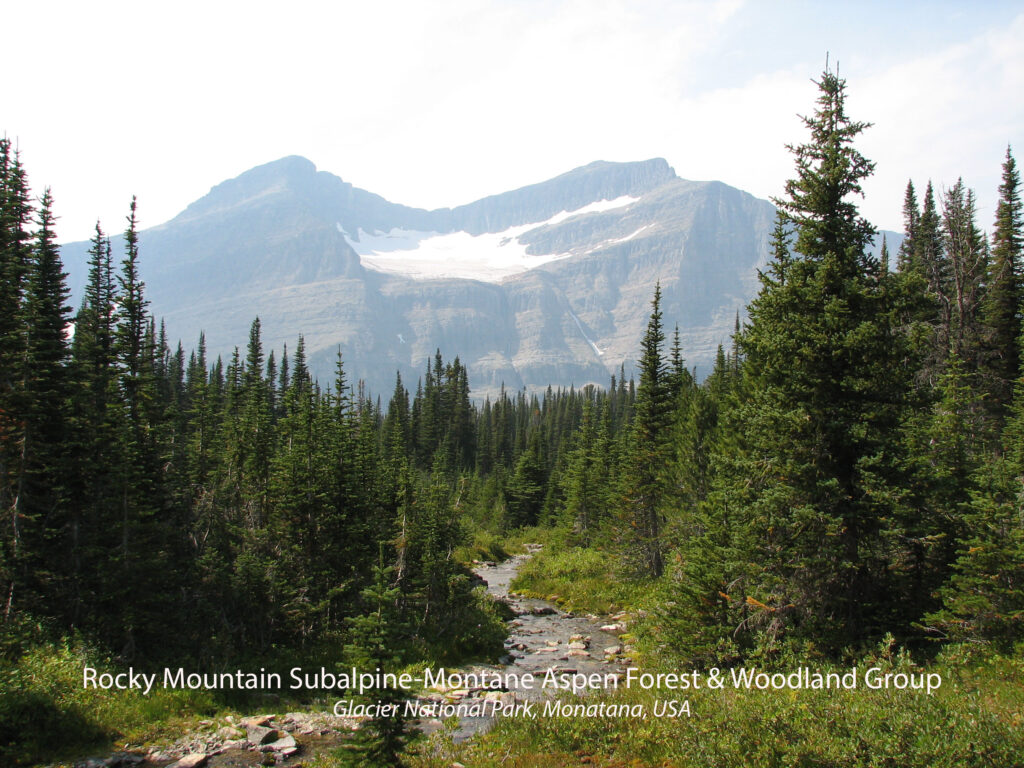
(543, 610)
(285, 742)
(195, 760)
(258, 734)
(256, 721)
(504, 698)
(614, 629)
(125, 760)
(577, 646)
(576, 652)
(613, 650)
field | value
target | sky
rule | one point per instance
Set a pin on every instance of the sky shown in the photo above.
(435, 104)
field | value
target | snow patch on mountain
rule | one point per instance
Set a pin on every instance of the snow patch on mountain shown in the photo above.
(490, 257)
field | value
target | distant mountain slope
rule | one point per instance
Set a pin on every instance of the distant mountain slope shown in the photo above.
(563, 270)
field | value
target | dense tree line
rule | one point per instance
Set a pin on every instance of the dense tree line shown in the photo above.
(854, 469)
(851, 467)
(166, 504)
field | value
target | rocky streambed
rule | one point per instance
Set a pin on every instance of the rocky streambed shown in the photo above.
(543, 641)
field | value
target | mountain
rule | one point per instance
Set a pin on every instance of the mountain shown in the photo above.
(547, 284)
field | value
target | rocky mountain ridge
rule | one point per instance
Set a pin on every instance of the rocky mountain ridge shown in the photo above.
(584, 250)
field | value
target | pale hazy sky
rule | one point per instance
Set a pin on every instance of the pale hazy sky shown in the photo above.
(439, 103)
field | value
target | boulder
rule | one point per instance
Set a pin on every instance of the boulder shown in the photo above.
(195, 760)
(256, 721)
(285, 742)
(258, 734)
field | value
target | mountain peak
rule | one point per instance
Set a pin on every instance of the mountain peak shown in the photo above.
(288, 173)
(572, 190)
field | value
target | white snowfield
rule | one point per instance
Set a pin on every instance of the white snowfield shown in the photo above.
(490, 257)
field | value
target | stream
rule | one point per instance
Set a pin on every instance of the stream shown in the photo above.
(541, 638)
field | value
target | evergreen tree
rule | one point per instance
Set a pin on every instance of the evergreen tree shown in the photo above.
(824, 405)
(527, 486)
(650, 451)
(908, 248)
(1003, 299)
(15, 225)
(586, 478)
(966, 255)
(41, 498)
(374, 637)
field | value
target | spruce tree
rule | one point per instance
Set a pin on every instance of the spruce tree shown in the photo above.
(15, 225)
(966, 257)
(647, 479)
(1003, 299)
(911, 215)
(41, 501)
(824, 403)
(375, 636)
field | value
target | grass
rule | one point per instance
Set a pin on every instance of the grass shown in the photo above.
(47, 714)
(486, 545)
(580, 580)
(973, 720)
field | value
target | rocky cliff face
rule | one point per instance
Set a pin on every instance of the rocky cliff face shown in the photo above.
(563, 272)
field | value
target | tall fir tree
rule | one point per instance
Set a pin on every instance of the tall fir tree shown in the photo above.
(647, 480)
(15, 226)
(824, 403)
(1004, 295)
(42, 491)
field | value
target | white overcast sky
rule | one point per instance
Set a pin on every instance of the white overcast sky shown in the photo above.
(434, 104)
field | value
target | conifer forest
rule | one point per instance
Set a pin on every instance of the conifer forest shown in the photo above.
(848, 478)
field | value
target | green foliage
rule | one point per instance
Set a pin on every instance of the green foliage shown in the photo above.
(42, 696)
(972, 721)
(645, 484)
(1003, 297)
(580, 579)
(824, 399)
(484, 546)
(380, 740)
